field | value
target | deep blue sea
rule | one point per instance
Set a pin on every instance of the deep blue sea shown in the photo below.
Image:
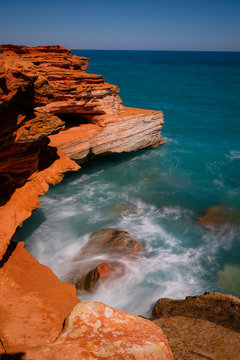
(157, 194)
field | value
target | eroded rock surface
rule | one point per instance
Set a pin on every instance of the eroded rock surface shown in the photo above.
(46, 93)
(25, 199)
(220, 309)
(97, 331)
(197, 339)
(33, 301)
(102, 258)
(96, 121)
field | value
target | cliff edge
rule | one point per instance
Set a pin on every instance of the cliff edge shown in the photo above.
(54, 116)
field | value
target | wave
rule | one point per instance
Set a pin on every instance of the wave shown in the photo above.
(233, 155)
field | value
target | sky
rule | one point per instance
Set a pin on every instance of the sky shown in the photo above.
(123, 24)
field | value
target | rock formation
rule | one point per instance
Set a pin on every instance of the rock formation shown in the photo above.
(33, 302)
(218, 217)
(197, 339)
(218, 308)
(102, 258)
(201, 327)
(53, 112)
(46, 94)
(96, 331)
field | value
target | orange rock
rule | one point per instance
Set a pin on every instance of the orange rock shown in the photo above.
(96, 331)
(25, 199)
(130, 130)
(115, 246)
(38, 126)
(33, 301)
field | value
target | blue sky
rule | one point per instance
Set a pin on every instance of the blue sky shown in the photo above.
(137, 25)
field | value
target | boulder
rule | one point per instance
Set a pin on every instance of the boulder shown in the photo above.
(102, 258)
(220, 309)
(34, 302)
(197, 339)
(97, 331)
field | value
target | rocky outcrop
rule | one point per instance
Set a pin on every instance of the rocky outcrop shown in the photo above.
(201, 327)
(34, 302)
(97, 331)
(220, 309)
(130, 130)
(91, 110)
(46, 91)
(197, 339)
(52, 112)
(102, 258)
(25, 199)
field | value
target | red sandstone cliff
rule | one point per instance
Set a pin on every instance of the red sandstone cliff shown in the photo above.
(53, 112)
(49, 101)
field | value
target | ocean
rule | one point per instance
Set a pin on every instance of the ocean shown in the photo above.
(158, 194)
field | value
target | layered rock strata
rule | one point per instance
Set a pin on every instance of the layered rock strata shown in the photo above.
(51, 113)
(46, 91)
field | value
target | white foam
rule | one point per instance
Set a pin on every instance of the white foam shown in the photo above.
(233, 155)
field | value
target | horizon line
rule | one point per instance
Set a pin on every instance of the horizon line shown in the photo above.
(237, 51)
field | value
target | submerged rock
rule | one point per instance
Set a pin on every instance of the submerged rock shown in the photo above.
(97, 331)
(123, 208)
(102, 258)
(220, 309)
(229, 279)
(197, 339)
(218, 217)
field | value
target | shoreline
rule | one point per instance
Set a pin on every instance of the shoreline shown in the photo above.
(56, 84)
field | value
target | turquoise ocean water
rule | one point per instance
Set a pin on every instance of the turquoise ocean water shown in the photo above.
(157, 195)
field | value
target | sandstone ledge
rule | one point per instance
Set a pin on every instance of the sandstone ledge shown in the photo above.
(130, 130)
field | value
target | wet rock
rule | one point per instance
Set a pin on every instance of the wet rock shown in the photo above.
(197, 339)
(123, 208)
(220, 309)
(229, 279)
(102, 273)
(33, 301)
(102, 258)
(218, 217)
(96, 331)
